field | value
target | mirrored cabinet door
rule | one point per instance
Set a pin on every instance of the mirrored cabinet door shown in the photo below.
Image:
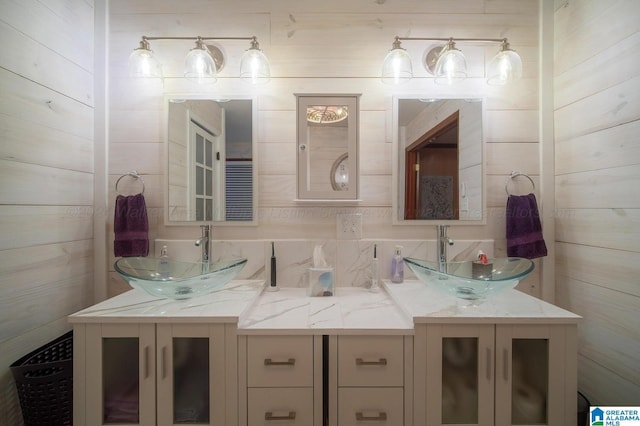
(327, 147)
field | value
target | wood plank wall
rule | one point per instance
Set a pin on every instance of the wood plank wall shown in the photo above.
(597, 112)
(332, 46)
(46, 177)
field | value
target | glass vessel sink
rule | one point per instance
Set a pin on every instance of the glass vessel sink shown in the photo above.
(174, 279)
(468, 281)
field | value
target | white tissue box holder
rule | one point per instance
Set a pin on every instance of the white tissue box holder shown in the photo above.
(320, 282)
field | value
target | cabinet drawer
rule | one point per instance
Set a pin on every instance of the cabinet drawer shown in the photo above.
(275, 406)
(370, 406)
(370, 361)
(280, 361)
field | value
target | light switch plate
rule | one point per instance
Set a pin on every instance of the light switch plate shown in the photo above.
(349, 226)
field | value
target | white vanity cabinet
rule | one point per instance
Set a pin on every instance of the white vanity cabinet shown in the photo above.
(371, 379)
(315, 380)
(282, 382)
(496, 374)
(150, 374)
(141, 360)
(358, 370)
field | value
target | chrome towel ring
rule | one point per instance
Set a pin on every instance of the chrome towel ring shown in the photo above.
(134, 175)
(514, 175)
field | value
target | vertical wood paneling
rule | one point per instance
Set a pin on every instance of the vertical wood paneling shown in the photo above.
(597, 113)
(46, 177)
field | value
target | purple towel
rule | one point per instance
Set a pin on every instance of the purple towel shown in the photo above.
(524, 231)
(131, 226)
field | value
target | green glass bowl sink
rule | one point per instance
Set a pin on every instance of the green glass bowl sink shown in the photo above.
(468, 281)
(174, 279)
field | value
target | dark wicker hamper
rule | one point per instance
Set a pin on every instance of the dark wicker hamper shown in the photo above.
(44, 381)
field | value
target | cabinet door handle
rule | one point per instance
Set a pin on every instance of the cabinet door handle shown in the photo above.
(146, 362)
(489, 363)
(505, 354)
(381, 417)
(163, 357)
(381, 361)
(269, 416)
(269, 361)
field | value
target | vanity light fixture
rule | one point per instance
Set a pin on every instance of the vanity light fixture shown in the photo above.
(203, 62)
(448, 64)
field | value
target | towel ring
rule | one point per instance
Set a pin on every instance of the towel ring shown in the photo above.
(514, 175)
(134, 175)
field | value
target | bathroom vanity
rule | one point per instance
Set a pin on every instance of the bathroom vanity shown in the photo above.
(404, 355)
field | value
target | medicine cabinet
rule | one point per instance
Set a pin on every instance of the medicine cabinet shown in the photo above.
(327, 127)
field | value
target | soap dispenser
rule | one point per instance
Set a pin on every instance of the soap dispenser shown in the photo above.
(397, 266)
(163, 269)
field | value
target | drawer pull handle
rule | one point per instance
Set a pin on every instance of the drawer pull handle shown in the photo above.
(269, 361)
(381, 417)
(269, 416)
(381, 361)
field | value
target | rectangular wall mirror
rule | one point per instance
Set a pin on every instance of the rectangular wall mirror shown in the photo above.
(438, 161)
(327, 147)
(210, 161)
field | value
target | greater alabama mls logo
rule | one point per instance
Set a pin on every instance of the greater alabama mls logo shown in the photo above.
(614, 416)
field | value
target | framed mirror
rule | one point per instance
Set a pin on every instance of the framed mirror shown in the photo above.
(210, 147)
(438, 161)
(327, 127)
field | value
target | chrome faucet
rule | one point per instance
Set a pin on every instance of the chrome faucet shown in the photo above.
(443, 242)
(204, 242)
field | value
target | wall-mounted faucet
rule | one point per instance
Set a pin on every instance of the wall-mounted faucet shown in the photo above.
(443, 242)
(204, 242)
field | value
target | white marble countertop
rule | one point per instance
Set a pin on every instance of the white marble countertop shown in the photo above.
(352, 310)
(430, 306)
(226, 305)
(394, 309)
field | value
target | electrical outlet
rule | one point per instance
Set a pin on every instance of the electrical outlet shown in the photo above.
(349, 226)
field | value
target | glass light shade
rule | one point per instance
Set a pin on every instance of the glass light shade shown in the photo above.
(397, 68)
(142, 63)
(199, 66)
(451, 66)
(254, 67)
(505, 67)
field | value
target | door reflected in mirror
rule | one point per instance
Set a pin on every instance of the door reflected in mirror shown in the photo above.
(439, 168)
(327, 147)
(209, 151)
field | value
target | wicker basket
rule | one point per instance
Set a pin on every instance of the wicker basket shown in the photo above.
(44, 380)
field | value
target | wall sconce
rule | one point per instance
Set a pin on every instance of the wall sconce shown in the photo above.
(448, 64)
(203, 62)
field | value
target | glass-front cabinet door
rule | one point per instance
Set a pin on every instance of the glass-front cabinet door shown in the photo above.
(190, 371)
(527, 377)
(155, 374)
(460, 379)
(120, 374)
